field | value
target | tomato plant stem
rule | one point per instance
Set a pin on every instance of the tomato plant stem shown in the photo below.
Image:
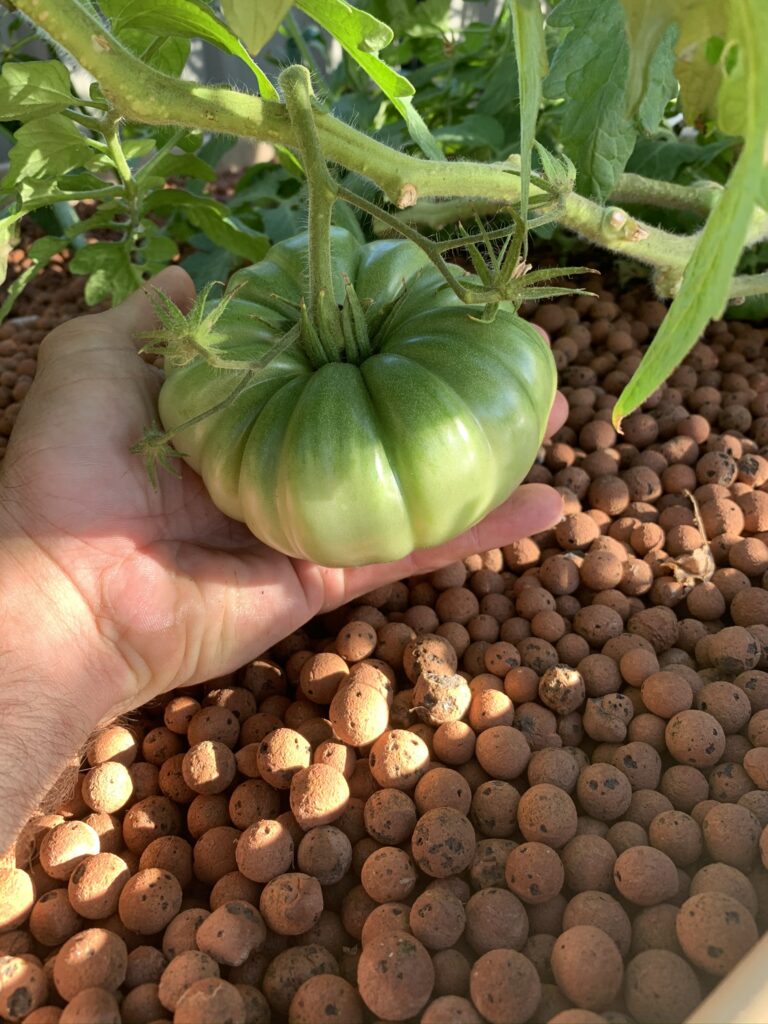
(297, 90)
(142, 93)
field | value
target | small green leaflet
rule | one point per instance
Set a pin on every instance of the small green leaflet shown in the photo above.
(110, 271)
(39, 253)
(170, 56)
(254, 22)
(34, 89)
(651, 79)
(45, 148)
(704, 290)
(702, 23)
(531, 55)
(363, 36)
(189, 19)
(214, 219)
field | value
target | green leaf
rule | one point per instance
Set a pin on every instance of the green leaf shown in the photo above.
(531, 55)
(34, 89)
(183, 165)
(589, 70)
(254, 23)
(40, 253)
(701, 23)
(188, 19)
(363, 36)
(660, 84)
(171, 55)
(703, 294)
(45, 148)
(111, 273)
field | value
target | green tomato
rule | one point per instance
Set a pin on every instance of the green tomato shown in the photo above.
(353, 464)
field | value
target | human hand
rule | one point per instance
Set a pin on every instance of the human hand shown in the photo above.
(170, 590)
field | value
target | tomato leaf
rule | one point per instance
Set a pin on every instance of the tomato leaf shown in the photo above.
(702, 23)
(172, 53)
(110, 271)
(34, 89)
(651, 80)
(703, 294)
(590, 69)
(188, 19)
(45, 148)
(531, 54)
(254, 23)
(39, 252)
(363, 36)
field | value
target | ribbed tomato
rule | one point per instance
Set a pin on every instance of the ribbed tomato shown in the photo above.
(349, 463)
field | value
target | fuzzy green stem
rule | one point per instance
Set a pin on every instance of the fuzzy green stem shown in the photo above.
(143, 94)
(296, 86)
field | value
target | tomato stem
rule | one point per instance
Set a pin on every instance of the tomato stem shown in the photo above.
(296, 86)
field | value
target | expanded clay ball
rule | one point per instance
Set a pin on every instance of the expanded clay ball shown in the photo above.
(356, 640)
(179, 712)
(141, 1004)
(231, 933)
(145, 966)
(731, 835)
(603, 911)
(325, 853)
(115, 743)
(23, 987)
(442, 787)
(505, 987)
(209, 767)
(695, 738)
(547, 814)
(17, 897)
(107, 787)
(588, 861)
(562, 689)
(726, 879)
(666, 694)
(326, 999)
(95, 885)
(149, 901)
(319, 795)
(645, 876)
(534, 872)
(390, 816)
(439, 698)
(291, 903)
(494, 808)
(496, 919)
(660, 986)
(65, 846)
(172, 853)
(264, 851)
(454, 743)
(214, 854)
(455, 1009)
(282, 754)
(603, 791)
(208, 1000)
(53, 920)
(398, 759)
(182, 972)
(587, 966)
(678, 835)
(359, 714)
(429, 653)
(715, 931)
(443, 842)
(388, 875)
(503, 751)
(95, 958)
(437, 918)
(321, 676)
(92, 1004)
(395, 976)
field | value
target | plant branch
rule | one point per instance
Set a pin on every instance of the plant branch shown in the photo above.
(143, 94)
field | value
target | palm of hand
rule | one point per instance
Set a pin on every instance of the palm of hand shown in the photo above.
(178, 592)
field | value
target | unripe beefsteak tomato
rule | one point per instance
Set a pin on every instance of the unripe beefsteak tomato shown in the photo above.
(351, 464)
